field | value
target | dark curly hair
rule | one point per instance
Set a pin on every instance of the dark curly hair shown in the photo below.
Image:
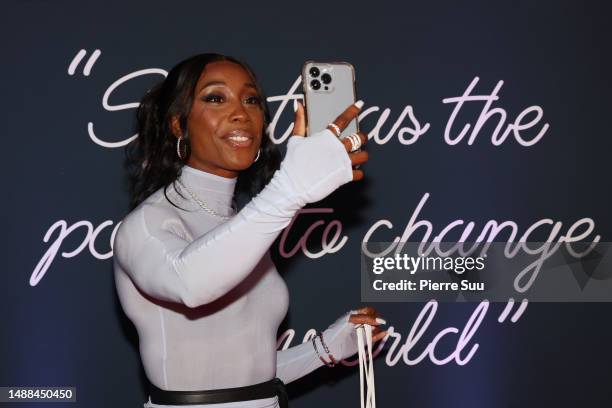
(151, 159)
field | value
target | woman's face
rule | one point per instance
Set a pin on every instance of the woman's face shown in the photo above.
(226, 120)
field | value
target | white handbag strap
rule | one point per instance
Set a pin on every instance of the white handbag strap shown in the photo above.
(366, 366)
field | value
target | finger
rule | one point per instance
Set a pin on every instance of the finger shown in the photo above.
(349, 114)
(299, 123)
(358, 175)
(358, 157)
(347, 143)
(365, 319)
(364, 137)
(368, 310)
(379, 336)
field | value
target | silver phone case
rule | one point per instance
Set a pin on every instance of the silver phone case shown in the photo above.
(324, 105)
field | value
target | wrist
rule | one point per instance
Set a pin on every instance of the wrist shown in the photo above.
(341, 338)
(317, 341)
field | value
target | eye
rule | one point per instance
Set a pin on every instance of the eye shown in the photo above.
(213, 98)
(253, 100)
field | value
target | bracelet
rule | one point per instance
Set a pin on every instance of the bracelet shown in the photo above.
(329, 364)
(332, 361)
(331, 357)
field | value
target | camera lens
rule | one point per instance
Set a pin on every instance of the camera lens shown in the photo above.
(314, 72)
(326, 78)
(314, 84)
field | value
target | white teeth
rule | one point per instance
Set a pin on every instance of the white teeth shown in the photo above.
(239, 138)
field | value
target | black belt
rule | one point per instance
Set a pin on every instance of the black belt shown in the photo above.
(262, 390)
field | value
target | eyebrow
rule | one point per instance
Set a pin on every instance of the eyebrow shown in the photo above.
(209, 83)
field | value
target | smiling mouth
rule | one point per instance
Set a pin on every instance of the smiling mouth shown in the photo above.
(239, 138)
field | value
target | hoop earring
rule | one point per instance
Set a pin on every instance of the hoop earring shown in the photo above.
(257, 157)
(178, 148)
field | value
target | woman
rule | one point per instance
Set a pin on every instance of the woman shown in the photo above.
(193, 273)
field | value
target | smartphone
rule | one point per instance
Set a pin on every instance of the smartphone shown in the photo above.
(329, 88)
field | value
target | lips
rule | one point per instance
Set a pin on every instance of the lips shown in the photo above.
(239, 138)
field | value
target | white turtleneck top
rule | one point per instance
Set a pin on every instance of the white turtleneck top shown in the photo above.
(203, 293)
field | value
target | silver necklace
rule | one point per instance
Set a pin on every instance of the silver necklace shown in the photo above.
(201, 203)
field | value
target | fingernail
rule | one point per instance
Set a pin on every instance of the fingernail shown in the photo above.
(381, 321)
(359, 104)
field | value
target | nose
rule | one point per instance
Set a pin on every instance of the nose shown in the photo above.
(238, 113)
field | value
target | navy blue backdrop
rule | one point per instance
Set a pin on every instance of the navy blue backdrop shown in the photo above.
(73, 72)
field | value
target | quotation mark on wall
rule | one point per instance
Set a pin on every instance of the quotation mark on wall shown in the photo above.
(509, 306)
(79, 57)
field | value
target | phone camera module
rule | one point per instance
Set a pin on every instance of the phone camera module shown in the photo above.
(315, 84)
(314, 72)
(326, 78)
